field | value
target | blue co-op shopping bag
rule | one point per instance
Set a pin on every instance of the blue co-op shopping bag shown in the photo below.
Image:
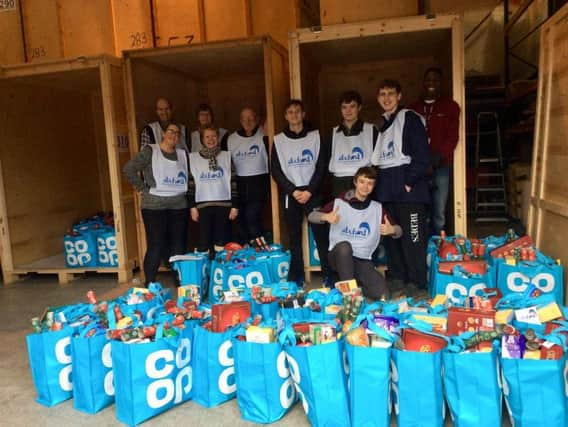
(319, 377)
(545, 274)
(107, 255)
(460, 284)
(152, 377)
(214, 366)
(50, 361)
(93, 384)
(216, 282)
(417, 395)
(242, 277)
(472, 388)
(536, 392)
(266, 391)
(278, 263)
(80, 249)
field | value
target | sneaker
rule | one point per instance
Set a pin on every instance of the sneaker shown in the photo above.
(327, 282)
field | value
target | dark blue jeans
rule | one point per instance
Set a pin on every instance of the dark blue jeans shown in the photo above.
(440, 190)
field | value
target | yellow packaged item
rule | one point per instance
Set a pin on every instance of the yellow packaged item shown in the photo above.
(439, 299)
(259, 334)
(550, 311)
(503, 317)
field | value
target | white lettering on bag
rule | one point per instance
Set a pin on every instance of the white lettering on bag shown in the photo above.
(282, 269)
(454, 291)
(566, 378)
(229, 364)
(107, 363)
(394, 387)
(295, 374)
(63, 356)
(346, 370)
(518, 282)
(287, 389)
(254, 278)
(165, 390)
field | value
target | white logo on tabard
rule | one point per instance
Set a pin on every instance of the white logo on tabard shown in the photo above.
(159, 366)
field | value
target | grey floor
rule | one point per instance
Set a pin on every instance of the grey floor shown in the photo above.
(28, 298)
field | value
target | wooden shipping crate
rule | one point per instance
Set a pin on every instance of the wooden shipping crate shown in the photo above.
(70, 28)
(227, 75)
(341, 12)
(12, 45)
(548, 210)
(358, 56)
(64, 132)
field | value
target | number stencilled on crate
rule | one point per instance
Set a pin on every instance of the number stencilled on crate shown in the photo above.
(7, 5)
(37, 52)
(138, 40)
(122, 143)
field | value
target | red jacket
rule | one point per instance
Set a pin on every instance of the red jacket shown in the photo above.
(442, 123)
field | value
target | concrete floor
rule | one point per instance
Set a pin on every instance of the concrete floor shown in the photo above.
(26, 299)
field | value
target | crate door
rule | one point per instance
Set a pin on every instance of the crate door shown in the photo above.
(548, 211)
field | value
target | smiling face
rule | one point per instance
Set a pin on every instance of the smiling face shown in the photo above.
(171, 136)
(294, 115)
(388, 99)
(432, 85)
(163, 110)
(363, 187)
(350, 111)
(248, 120)
(210, 138)
(204, 118)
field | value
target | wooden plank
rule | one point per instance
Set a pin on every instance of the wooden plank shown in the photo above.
(12, 46)
(178, 22)
(276, 20)
(226, 20)
(338, 12)
(42, 30)
(132, 25)
(458, 93)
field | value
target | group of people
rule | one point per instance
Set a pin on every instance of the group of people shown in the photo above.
(383, 179)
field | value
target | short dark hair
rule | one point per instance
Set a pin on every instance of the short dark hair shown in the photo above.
(349, 96)
(297, 102)
(163, 98)
(367, 172)
(205, 107)
(391, 84)
(436, 70)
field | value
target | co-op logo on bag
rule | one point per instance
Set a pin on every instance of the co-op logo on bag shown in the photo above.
(159, 367)
(63, 356)
(388, 153)
(251, 153)
(282, 269)
(287, 392)
(106, 360)
(361, 232)
(518, 282)
(77, 252)
(455, 291)
(212, 175)
(226, 382)
(355, 155)
(180, 179)
(253, 278)
(305, 159)
(294, 370)
(106, 248)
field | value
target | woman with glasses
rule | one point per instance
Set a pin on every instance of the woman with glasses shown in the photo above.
(159, 172)
(213, 198)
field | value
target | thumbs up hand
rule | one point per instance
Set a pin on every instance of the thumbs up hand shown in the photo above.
(387, 228)
(331, 217)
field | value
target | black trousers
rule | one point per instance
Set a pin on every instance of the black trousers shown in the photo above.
(250, 219)
(294, 213)
(166, 234)
(214, 226)
(347, 266)
(406, 256)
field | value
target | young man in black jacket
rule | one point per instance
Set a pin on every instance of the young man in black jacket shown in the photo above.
(298, 166)
(402, 156)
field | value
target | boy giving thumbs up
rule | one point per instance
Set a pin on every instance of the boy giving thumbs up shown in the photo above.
(357, 224)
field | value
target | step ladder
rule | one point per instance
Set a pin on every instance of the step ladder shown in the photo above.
(490, 193)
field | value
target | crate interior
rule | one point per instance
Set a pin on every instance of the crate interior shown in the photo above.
(54, 160)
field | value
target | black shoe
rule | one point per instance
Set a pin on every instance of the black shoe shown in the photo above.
(415, 292)
(396, 287)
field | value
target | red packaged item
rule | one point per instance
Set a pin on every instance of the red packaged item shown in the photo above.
(521, 242)
(472, 266)
(419, 341)
(224, 316)
(470, 320)
(554, 352)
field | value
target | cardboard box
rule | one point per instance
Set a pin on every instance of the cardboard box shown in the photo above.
(259, 334)
(469, 320)
(346, 286)
(550, 311)
(439, 323)
(224, 316)
(424, 343)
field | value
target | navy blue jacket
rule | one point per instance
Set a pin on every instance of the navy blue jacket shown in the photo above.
(391, 181)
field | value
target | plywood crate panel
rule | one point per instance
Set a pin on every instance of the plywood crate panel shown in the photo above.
(12, 46)
(341, 12)
(64, 119)
(325, 63)
(228, 75)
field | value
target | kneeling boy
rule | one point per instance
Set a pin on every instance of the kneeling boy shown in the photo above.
(357, 224)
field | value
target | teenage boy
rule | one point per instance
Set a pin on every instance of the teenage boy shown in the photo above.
(153, 133)
(352, 143)
(402, 156)
(357, 224)
(298, 167)
(249, 155)
(205, 118)
(442, 117)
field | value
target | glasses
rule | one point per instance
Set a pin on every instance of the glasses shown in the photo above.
(173, 132)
